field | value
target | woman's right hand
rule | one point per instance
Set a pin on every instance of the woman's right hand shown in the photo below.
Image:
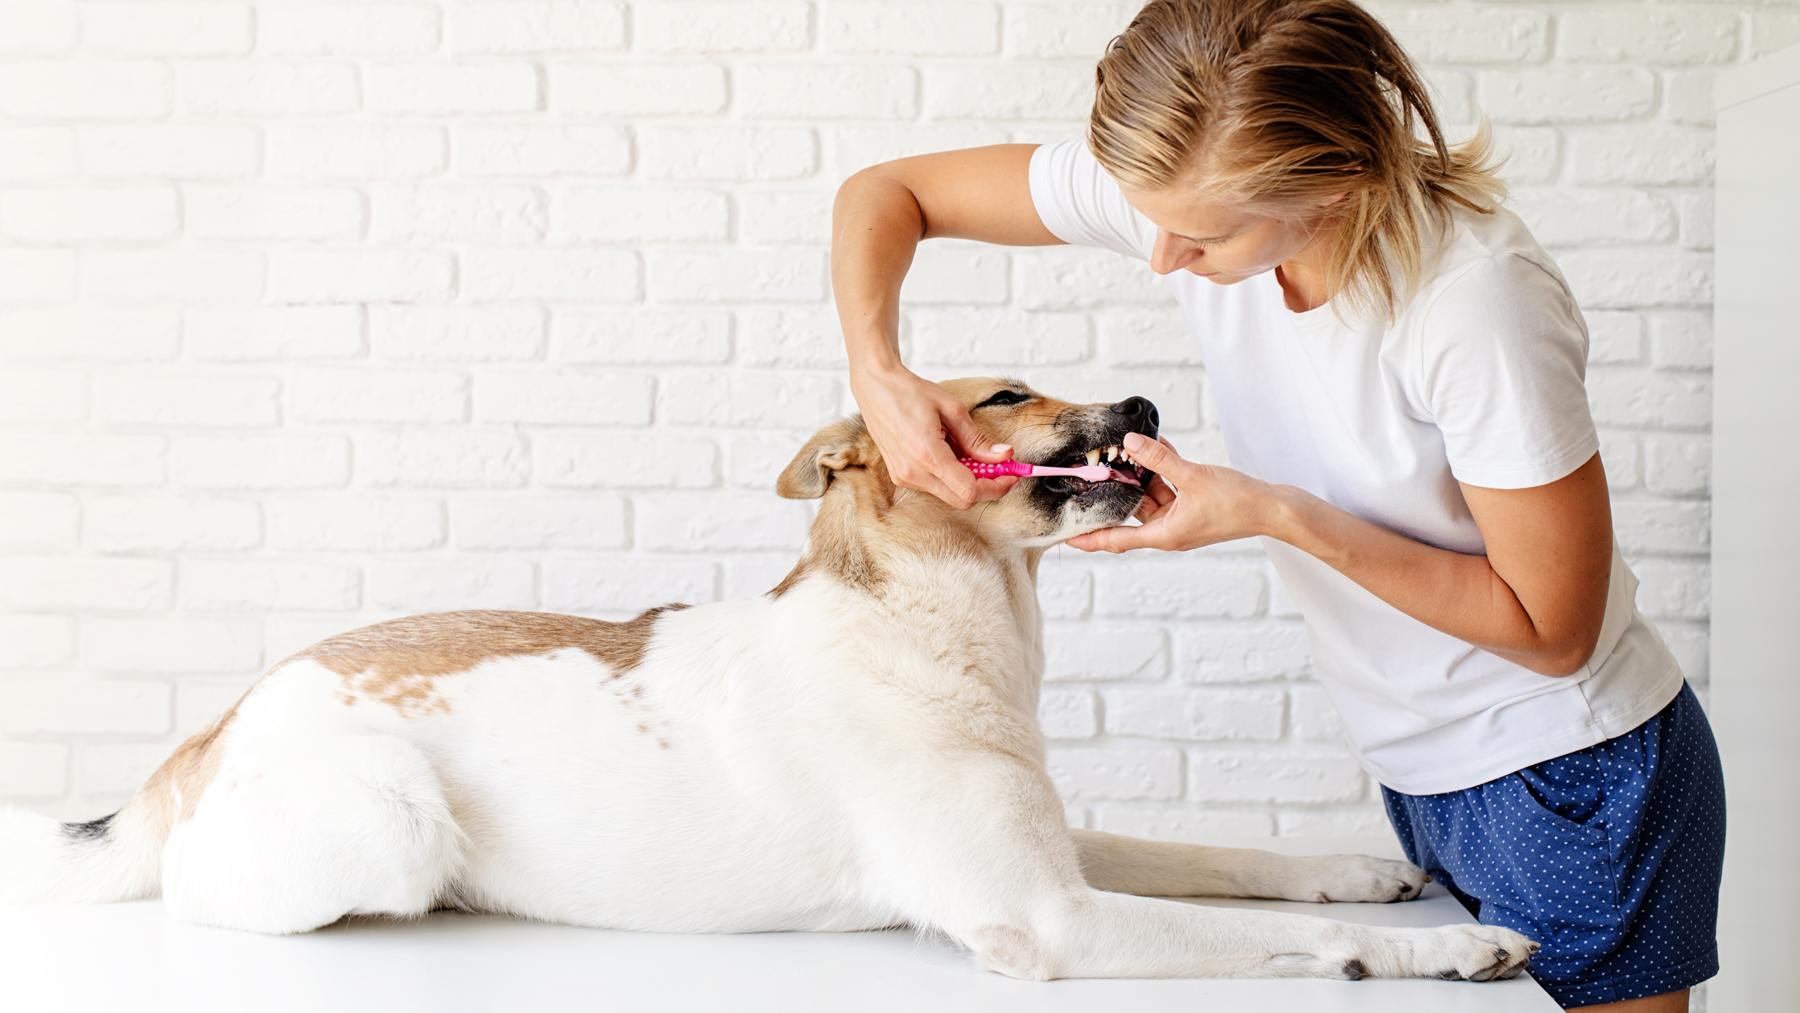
(922, 429)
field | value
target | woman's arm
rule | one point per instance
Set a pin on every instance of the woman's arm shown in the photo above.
(1536, 599)
(880, 215)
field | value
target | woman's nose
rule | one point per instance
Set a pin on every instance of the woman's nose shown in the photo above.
(1172, 253)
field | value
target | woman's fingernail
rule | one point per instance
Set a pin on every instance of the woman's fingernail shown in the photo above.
(1135, 441)
(1002, 448)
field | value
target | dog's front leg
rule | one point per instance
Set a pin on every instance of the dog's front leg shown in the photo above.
(1162, 869)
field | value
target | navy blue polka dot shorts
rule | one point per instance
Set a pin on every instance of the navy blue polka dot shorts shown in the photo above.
(1609, 857)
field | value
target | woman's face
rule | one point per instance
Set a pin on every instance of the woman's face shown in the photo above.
(1218, 242)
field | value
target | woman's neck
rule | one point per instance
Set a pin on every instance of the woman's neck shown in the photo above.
(1304, 277)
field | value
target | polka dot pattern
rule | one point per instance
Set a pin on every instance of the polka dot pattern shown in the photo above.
(1609, 856)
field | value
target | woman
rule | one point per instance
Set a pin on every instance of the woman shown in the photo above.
(1398, 369)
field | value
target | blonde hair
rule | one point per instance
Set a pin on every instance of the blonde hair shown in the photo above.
(1278, 105)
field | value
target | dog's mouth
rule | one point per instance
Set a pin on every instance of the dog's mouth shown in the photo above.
(1126, 471)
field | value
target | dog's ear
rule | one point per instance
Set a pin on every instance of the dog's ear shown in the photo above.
(843, 444)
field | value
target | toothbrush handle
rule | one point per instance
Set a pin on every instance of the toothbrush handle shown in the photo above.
(985, 470)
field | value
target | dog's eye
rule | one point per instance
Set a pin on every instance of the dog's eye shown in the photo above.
(1005, 397)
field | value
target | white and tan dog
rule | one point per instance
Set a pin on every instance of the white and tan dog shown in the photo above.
(857, 748)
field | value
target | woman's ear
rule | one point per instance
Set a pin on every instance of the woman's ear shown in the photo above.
(841, 445)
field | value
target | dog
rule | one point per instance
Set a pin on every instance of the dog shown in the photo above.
(856, 749)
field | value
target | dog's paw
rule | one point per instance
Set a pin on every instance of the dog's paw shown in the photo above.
(1326, 878)
(1471, 952)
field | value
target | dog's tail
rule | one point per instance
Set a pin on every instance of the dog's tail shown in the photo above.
(113, 858)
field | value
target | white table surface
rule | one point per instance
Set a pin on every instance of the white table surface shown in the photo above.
(130, 957)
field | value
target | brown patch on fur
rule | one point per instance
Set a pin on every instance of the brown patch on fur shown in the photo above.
(399, 662)
(182, 778)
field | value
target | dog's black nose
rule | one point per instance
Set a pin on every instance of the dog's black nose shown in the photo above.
(1139, 411)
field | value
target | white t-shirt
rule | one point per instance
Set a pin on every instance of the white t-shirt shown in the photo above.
(1478, 380)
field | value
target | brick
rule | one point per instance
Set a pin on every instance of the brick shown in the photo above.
(1188, 715)
(1677, 465)
(1068, 714)
(37, 397)
(28, 276)
(790, 339)
(582, 26)
(1002, 91)
(37, 153)
(1642, 277)
(73, 216)
(1088, 652)
(1193, 826)
(754, 276)
(166, 29)
(116, 768)
(1642, 156)
(1433, 34)
(728, 153)
(349, 523)
(564, 397)
(168, 150)
(355, 151)
(641, 214)
(198, 702)
(757, 458)
(187, 400)
(860, 147)
(1671, 589)
(1262, 653)
(957, 275)
(1653, 35)
(442, 459)
(414, 215)
(284, 213)
(171, 645)
(1140, 338)
(637, 89)
(1681, 340)
(748, 575)
(542, 150)
(1064, 29)
(1533, 154)
(1662, 526)
(1694, 209)
(1615, 337)
(84, 90)
(911, 29)
(441, 585)
(353, 275)
(265, 585)
(353, 394)
(718, 522)
(625, 460)
(1085, 772)
(1315, 718)
(274, 333)
(627, 585)
(29, 27)
(1243, 776)
(802, 219)
(440, 89)
(1451, 97)
(267, 88)
(347, 29)
(538, 522)
(174, 275)
(641, 337)
(90, 707)
(463, 334)
(1064, 592)
(1619, 457)
(38, 520)
(1687, 97)
(1692, 647)
(1369, 822)
(1178, 590)
(33, 769)
(1074, 278)
(264, 462)
(828, 92)
(718, 26)
(36, 641)
(164, 523)
(1662, 400)
(1772, 31)
(82, 459)
(983, 337)
(750, 400)
(1567, 95)
(1571, 217)
(556, 274)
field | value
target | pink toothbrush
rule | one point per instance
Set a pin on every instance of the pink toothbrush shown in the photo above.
(1087, 473)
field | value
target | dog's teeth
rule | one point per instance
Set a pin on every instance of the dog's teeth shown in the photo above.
(1112, 454)
(1093, 457)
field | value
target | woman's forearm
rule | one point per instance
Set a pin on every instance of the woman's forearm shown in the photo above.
(876, 225)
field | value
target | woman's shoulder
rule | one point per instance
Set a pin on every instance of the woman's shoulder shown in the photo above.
(1484, 259)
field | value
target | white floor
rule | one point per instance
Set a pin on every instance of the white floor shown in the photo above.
(129, 957)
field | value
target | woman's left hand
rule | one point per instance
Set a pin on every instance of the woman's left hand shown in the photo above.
(1186, 505)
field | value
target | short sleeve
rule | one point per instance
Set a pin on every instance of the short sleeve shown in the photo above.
(1081, 204)
(1504, 360)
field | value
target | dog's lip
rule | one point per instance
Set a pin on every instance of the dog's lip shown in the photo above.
(1078, 458)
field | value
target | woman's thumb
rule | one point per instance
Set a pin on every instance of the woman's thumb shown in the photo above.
(1152, 454)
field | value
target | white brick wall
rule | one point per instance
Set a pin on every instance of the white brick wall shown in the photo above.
(316, 313)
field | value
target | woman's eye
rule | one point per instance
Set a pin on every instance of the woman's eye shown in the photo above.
(1005, 397)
